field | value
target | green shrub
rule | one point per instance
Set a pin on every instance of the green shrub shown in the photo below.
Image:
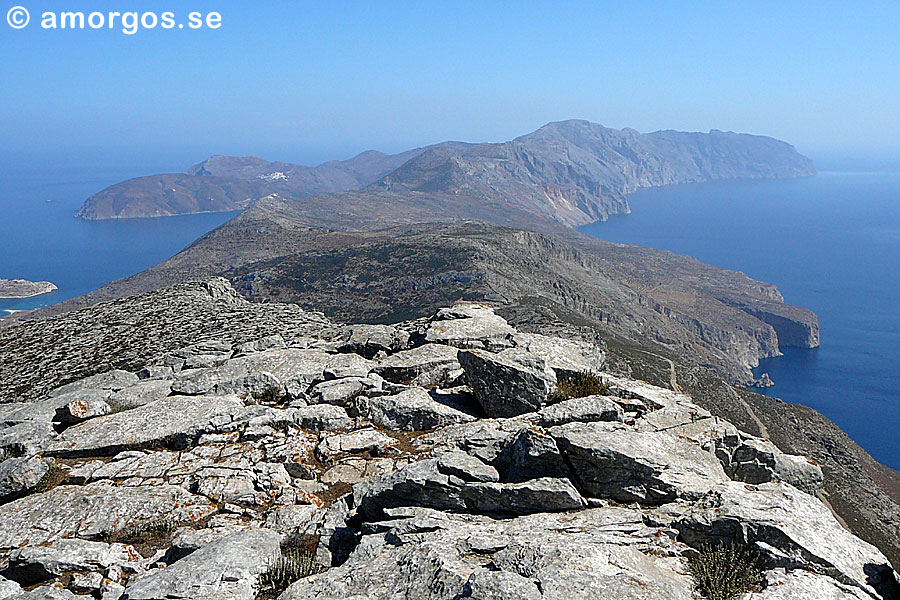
(725, 571)
(579, 385)
(295, 561)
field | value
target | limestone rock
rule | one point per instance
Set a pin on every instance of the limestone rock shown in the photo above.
(321, 417)
(93, 510)
(584, 555)
(19, 475)
(226, 569)
(143, 393)
(585, 410)
(361, 440)
(504, 387)
(177, 421)
(369, 340)
(111, 380)
(410, 410)
(793, 529)
(78, 411)
(34, 564)
(630, 466)
(566, 357)
(429, 364)
(469, 326)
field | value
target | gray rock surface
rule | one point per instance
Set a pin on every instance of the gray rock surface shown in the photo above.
(410, 410)
(793, 529)
(173, 421)
(585, 410)
(19, 475)
(505, 387)
(34, 564)
(91, 511)
(629, 466)
(226, 569)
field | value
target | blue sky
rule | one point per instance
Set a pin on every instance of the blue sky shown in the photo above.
(310, 81)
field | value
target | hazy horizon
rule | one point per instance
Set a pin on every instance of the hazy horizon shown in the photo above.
(329, 81)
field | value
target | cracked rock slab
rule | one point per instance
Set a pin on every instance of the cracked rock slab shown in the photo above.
(226, 569)
(176, 421)
(93, 510)
(610, 461)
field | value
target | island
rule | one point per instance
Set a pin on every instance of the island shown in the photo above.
(22, 288)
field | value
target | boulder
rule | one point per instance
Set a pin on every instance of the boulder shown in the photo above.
(584, 410)
(430, 364)
(469, 326)
(94, 510)
(34, 564)
(111, 380)
(782, 584)
(466, 467)
(361, 440)
(79, 411)
(341, 392)
(369, 340)
(175, 421)
(566, 357)
(20, 475)
(529, 455)
(321, 417)
(609, 461)
(792, 529)
(424, 554)
(226, 569)
(410, 410)
(140, 394)
(434, 484)
(506, 387)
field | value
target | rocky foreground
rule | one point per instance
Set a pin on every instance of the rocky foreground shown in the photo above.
(443, 458)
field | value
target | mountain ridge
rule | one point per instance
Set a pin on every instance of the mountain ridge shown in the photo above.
(570, 172)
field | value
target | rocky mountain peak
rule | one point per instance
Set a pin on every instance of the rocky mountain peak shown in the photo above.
(446, 457)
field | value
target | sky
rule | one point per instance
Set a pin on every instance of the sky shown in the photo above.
(307, 81)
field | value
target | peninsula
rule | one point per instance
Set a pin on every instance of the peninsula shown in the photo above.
(22, 288)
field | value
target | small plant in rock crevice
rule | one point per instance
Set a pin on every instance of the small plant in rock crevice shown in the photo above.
(579, 385)
(295, 561)
(726, 571)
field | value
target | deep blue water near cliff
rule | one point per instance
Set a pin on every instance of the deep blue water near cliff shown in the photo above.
(830, 243)
(41, 240)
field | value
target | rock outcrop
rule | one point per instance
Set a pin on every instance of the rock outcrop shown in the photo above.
(329, 447)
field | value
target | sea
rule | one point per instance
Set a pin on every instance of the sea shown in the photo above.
(830, 243)
(41, 240)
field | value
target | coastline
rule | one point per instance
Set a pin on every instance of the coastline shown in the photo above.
(18, 289)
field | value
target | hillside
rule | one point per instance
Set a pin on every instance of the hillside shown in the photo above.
(570, 172)
(447, 457)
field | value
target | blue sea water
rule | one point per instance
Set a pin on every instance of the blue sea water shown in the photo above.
(41, 240)
(830, 243)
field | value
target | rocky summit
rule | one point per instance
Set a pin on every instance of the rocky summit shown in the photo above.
(442, 458)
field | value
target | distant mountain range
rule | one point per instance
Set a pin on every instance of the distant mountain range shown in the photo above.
(569, 172)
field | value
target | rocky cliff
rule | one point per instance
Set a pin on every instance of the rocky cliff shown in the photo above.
(570, 172)
(270, 452)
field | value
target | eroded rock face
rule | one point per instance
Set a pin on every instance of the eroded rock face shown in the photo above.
(629, 466)
(506, 387)
(431, 460)
(225, 569)
(92, 511)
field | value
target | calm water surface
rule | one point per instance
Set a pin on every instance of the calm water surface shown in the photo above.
(41, 240)
(830, 243)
